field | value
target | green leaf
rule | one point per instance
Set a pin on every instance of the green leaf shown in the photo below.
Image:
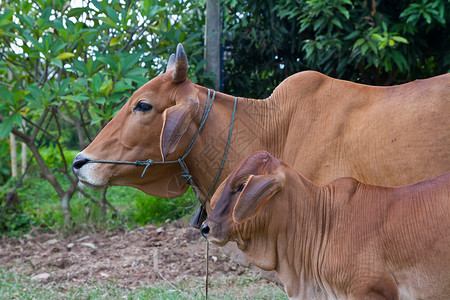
(6, 18)
(372, 46)
(319, 23)
(97, 4)
(107, 59)
(400, 39)
(96, 82)
(106, 87)
(7, 124)
(112, 14)
(129, 61)
(79, 66)
(344, 11)
(122, 86)
(358, 43)
(427, 17)
(108, 21)
(26, 19)
(96, 120)
(65, 55)
(100, 100)
(400, 60)
(33, 41)
(116, 40)
(352, 35)
(77, 11)
(337, 23)
(378, 37)
(6, 96)
(76, 98)
(364, 48)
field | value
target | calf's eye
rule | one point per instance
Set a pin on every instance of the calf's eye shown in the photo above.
(142, 106)
(241, 187)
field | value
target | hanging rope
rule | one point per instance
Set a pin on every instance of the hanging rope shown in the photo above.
(207, 270)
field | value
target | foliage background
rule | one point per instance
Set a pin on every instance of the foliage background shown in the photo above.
(373, 42)
(65, 71)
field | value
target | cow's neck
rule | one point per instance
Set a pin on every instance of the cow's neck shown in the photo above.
(257, 124)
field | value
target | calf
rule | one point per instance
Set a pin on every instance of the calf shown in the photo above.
(342, 240)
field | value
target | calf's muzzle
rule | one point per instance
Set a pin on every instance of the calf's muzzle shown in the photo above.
(204, 230)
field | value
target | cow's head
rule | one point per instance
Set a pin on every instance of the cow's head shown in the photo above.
(151, 124)
(240, 197)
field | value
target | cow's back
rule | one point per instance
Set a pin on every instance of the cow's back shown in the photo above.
(379, 135)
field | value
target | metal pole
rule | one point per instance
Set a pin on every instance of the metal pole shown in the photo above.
(212, 40)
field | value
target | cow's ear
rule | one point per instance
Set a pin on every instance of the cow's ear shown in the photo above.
(181, 65)
(257, 190)
(176, 120)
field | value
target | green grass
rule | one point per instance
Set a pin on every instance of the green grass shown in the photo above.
(20, 286)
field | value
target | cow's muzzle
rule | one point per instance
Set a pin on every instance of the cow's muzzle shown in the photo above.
(78, 162)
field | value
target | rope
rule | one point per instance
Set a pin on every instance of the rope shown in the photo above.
(207, 270)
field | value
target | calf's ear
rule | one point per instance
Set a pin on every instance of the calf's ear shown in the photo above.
(258, 189)
(176, 120)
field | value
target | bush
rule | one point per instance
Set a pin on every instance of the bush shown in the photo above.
(67, 70)
(39, 207)
(157, 210)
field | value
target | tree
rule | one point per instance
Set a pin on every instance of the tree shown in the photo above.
(73, 67)
(374, 42)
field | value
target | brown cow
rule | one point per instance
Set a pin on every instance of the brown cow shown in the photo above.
(325, 128)
(343, 240)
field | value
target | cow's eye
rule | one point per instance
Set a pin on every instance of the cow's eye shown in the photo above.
(241, 187)
(143, 106)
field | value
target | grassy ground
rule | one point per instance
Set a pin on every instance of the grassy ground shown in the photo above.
(17, 286)
(40, 208)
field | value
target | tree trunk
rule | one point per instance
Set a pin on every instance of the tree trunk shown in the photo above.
(65, 205)
(24, 159)
(103, 204)
(24, 153)
(12, 145)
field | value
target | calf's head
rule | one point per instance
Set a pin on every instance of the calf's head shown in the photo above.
(151, 124)
(238, 200)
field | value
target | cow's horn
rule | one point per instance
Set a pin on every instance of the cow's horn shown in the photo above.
(181, 65)
(171, 63)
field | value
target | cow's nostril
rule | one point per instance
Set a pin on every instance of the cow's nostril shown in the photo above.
(78, 162)
(204, 230)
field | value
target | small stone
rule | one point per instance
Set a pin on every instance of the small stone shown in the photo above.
(51, 242)
(42, 276)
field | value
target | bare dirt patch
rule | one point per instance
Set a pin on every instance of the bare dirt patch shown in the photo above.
(144, 256)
